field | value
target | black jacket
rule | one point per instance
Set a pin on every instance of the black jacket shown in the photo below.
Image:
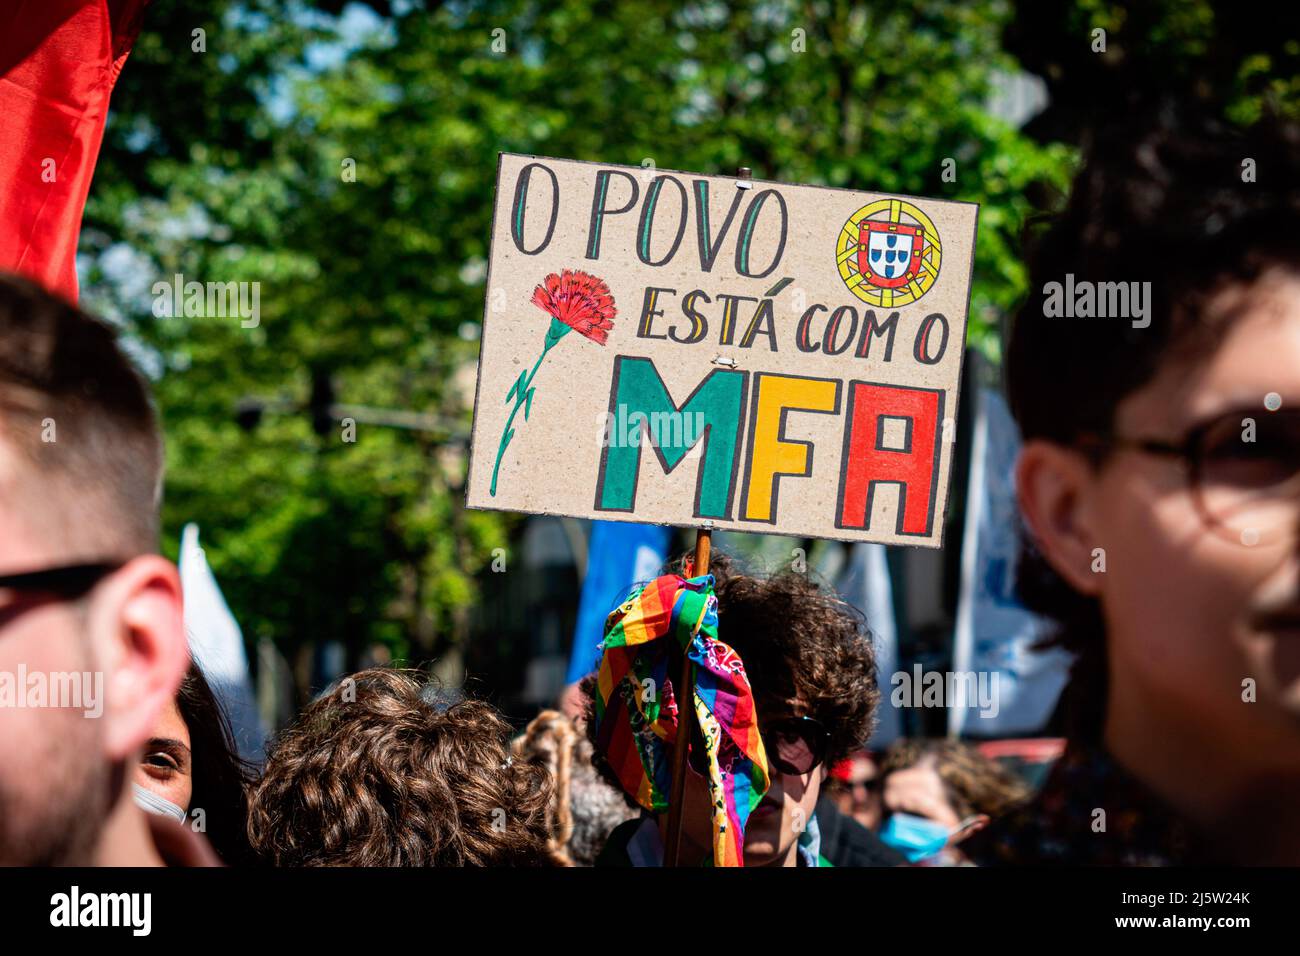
(846, 842)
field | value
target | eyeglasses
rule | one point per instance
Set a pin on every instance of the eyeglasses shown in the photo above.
(65, 583)
(1243, 468)
(794, 746)
(861, 789)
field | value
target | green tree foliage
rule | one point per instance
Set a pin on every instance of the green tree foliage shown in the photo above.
(1233, 58)
(237, 164)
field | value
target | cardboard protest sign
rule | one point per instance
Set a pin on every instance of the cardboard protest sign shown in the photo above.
(703, 351)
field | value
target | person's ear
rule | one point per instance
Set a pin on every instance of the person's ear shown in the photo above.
(1052, 485)
(138, 630)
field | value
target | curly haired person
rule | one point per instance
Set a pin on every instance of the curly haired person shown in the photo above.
(811, 665)
(373, 774)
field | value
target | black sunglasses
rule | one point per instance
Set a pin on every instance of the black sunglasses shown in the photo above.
(66, 583)
(794, 745)
(874, 785)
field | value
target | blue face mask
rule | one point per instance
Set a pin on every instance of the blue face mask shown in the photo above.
(915, 837)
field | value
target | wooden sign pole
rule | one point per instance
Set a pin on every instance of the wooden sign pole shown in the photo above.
(685, 719)
(686, 684)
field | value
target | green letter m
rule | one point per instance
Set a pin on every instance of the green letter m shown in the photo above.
(637, 390)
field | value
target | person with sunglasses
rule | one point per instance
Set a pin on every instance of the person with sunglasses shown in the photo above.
(84, 596)
(809, 660)
(856, 784)
(848, 814)
(1159, 482)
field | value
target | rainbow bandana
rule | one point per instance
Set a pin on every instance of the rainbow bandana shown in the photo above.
(636, 710)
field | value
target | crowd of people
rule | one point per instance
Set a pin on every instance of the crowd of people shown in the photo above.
(1159, 485)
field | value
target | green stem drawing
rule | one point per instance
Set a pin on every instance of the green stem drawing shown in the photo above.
(522, 393)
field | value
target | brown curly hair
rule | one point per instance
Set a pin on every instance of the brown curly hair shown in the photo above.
(380, 777)
(973, 782)
(799, 641)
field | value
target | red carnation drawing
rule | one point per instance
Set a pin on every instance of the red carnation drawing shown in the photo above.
(574, 300)
(580, 301)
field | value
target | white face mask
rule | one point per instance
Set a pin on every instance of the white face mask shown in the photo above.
(150, 802)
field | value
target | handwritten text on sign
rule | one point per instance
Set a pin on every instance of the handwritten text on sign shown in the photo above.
(684, 349)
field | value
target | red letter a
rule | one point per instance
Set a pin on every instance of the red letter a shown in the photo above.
(910, 459)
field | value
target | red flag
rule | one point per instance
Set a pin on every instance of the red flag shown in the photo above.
(59, 60)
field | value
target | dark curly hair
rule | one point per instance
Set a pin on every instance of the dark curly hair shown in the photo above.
(380, 777)
(799, 641)
(1162, 197)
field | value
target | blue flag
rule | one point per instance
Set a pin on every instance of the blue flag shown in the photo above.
(619, 555)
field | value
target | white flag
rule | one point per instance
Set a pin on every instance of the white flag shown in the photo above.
(865, 585)
(217, 645)
(994, 631)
